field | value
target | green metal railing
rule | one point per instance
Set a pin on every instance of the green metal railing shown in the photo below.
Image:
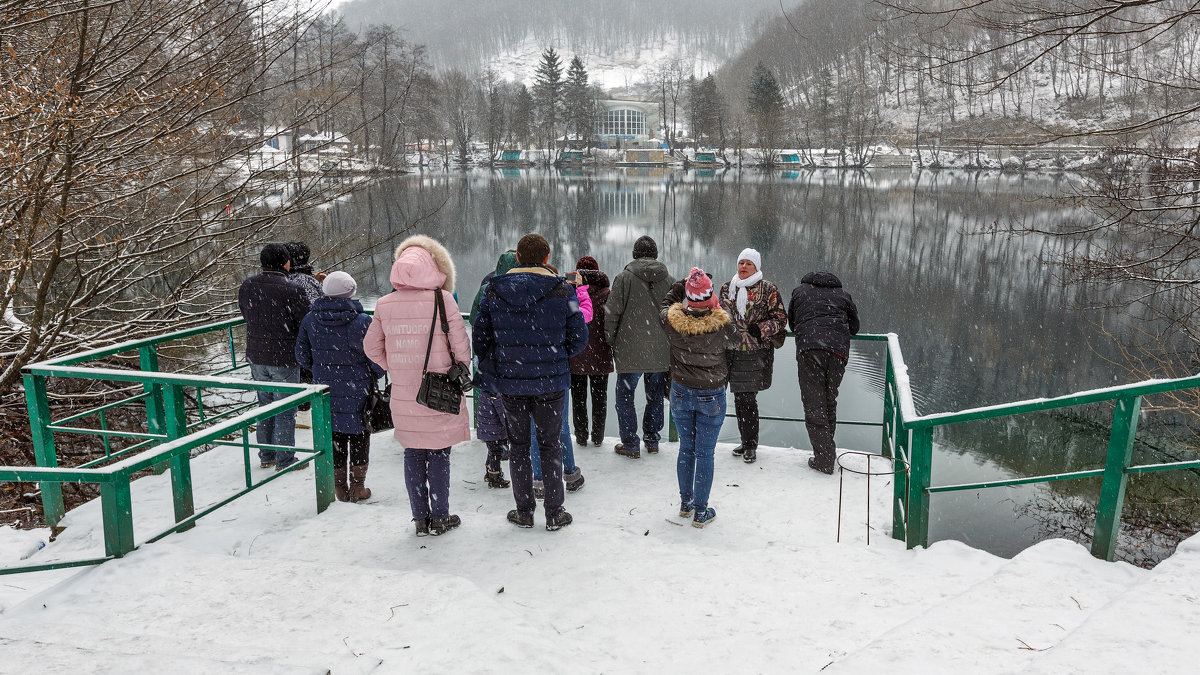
(673, 432)
(172, 433)
(170, 437)
(909, 436)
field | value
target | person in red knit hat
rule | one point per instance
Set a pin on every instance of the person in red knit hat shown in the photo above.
(699, 331)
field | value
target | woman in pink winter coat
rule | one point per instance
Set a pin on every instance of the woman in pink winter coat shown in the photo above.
(397, 340)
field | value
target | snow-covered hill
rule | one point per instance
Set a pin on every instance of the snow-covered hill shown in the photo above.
(612, 70)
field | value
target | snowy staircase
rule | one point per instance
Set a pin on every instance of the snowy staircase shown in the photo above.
(34, 656)
(245, 615)
(268, 586)
(1006, 619)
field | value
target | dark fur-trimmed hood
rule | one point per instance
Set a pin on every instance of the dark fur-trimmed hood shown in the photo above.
(687, 323)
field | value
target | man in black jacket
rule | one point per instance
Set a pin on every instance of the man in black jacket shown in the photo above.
(273, 307)
(823, 317)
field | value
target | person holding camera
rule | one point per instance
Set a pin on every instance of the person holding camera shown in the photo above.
(400, 340)
(590, 370)
(529, 325)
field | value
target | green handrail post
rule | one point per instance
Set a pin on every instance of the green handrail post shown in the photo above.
(232, 349)
(921, 453)
(38, 405)
(156, 422)
(890, 448)
(246, 456)
(117, 510)
(322, 428)
(1112, 487)
(180, 463)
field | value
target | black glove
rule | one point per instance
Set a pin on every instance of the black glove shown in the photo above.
(754, 331)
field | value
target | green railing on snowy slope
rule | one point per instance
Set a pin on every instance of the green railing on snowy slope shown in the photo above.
(909, 436)
(175, 426)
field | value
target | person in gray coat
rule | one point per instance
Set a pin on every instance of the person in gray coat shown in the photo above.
(640, 348)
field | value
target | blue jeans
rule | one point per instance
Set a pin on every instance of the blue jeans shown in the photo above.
(698, 415)
(546, 411)
(652, 418)
(280, 429)
(427, 478)
(564, 439)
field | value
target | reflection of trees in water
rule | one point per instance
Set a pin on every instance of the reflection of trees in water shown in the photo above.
(765, 219)
(1161, 508)
(981, 319)
(1150, 529)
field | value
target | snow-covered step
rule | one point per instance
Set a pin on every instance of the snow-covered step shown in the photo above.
(169, 602)
(1027, 606)
(31, 656)
(1149, 628)
(629, 587)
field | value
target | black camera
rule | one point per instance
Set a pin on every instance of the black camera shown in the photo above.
(460, 375)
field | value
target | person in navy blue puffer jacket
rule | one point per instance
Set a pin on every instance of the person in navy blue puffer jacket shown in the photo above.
(528, 327)
(330, 344)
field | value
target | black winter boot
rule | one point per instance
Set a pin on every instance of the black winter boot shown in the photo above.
(439, 527)
(520, 519)
(495, 480)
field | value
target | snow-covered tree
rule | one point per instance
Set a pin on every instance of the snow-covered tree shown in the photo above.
(579, 109)
(121, 123)
(707, 111)
(547, 93)
(765, 106)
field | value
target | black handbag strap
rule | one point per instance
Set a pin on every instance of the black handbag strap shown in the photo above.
(439, 311)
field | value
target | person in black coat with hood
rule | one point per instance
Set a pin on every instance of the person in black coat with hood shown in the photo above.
(823, 316)
(273, 308)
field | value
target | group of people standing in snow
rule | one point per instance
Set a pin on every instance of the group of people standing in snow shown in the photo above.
(544, 343)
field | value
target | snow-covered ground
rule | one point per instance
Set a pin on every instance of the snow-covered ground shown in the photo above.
(265, 585)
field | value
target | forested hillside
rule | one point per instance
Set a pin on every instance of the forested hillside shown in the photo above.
(1005, 74)
(464, 33)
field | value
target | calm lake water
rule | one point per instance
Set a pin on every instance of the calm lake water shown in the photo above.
(980, 317)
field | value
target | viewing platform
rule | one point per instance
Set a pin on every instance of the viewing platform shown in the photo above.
(268, 586)
(186, 570)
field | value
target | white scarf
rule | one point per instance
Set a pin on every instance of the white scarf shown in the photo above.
(738, 286)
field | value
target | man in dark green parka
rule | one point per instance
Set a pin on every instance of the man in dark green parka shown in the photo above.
(632, 328)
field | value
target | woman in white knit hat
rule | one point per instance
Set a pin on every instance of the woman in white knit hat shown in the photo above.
(761, 319)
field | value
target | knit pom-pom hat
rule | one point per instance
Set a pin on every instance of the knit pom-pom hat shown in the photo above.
(699, 290)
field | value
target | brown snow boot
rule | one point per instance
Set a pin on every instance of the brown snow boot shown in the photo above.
(341, 485)
(358, 489)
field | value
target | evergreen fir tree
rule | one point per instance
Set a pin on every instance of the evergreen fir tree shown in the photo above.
(708, 111)
(521, 115)
(579, 102)
(765, 106)
(547, 92)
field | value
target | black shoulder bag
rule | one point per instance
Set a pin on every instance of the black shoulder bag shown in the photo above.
(377, 408)
(443, 392)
